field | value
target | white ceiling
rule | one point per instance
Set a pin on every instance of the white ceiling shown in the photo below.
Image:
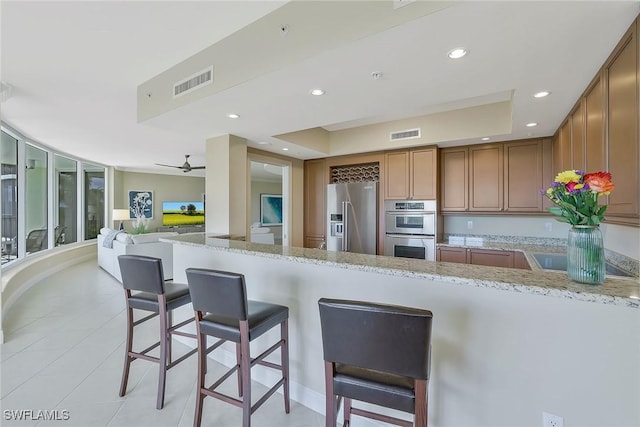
(75, 68)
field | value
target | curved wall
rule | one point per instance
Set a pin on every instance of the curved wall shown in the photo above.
(19, 277)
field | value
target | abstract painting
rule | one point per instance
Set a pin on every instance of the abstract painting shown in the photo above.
(270, 209)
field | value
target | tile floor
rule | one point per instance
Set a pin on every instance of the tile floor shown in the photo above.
(64, 345)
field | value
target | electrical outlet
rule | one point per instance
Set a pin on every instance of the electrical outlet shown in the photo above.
(469, 225)
(550, 420)
(548, 226)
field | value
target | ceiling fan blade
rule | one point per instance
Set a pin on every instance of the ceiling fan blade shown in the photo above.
(197, 167)
(169, 166)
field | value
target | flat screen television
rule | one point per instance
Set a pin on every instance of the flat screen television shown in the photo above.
(182, 213)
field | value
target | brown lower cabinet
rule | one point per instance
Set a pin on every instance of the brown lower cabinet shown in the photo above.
(478, 256)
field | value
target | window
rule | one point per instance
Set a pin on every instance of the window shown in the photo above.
(36, 196)
(66, 208)
(93, 200)
(48, 199)
(9, 166)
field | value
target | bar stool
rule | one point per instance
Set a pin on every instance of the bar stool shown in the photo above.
(144, 274)
(378, 354)
(219, 299)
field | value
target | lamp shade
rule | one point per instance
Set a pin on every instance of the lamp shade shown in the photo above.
(120, 214)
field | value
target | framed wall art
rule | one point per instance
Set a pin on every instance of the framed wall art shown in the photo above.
(140, 204)
(270, 209)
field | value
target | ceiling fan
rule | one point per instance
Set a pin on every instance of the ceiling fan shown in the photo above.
(186, 167)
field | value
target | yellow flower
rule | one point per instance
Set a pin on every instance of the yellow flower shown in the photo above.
(567, 177)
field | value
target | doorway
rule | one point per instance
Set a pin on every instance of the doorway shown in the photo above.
(269, 200)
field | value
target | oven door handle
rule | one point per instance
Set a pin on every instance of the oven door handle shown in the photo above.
(410, 236)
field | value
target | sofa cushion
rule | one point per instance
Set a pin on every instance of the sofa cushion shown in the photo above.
(124, 238)
(105, 231)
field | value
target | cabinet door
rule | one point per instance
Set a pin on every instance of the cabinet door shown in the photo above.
(520, 261)
(622, 101)
(577, 140)
(454, 179)
(523, 176)
(446, 254)
(397, 175)
(491, 258)
(315, 184)
(423, 167)
(486, 178)
(594, 127)
(565, 146)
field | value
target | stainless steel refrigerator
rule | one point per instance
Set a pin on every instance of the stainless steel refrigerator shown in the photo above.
(352, 217)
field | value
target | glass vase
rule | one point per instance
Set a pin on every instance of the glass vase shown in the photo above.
(585, 254)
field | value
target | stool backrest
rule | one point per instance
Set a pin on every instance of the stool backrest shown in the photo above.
(142, 273)
(382, 337)
(220, 292)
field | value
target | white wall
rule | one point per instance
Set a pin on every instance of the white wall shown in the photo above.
(164, 187)
(621, 239)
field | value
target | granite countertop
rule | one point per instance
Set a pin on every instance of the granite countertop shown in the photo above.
(616, 291)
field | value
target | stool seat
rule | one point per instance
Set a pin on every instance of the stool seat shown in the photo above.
(177, 295)
(380, 388)
(261, 316)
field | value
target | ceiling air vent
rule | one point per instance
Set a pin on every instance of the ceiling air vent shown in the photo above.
(405, 134)
(193, 82)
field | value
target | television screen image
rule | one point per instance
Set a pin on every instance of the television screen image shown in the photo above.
(182, 213)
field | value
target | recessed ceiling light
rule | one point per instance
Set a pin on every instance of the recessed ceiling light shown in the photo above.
(486, 138)
(541, 94)
(317, 92)
(233, 116)
(285, 149)
(264, 143)
(457, 53)
(532, 124)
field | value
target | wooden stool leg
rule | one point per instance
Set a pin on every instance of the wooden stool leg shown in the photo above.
(331, 410)
(169, 325)
(420, 417)
(239, 362)
(128, 348)
(245, 368)
(347, 413)
(162, 366)
(284, 360)
(202, 369)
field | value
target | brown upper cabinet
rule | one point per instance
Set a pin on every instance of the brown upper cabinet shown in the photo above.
(601, 133)
(486, 185)
(411, 174)
(595, 150)
(454, 179)
(495, 177)
(621, 73)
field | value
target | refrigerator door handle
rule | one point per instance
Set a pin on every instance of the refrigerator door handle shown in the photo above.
(345, 227)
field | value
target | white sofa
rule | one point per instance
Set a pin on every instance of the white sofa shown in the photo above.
(135, 244)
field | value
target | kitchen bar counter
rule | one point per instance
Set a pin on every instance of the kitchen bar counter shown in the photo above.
(495, 330)
(615, 291)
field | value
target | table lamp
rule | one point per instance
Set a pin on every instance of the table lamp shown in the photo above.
(121, 215)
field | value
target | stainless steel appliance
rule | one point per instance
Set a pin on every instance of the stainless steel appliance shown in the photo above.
(351, 217)
(410, 229)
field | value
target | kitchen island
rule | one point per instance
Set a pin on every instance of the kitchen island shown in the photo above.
(507, 344)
